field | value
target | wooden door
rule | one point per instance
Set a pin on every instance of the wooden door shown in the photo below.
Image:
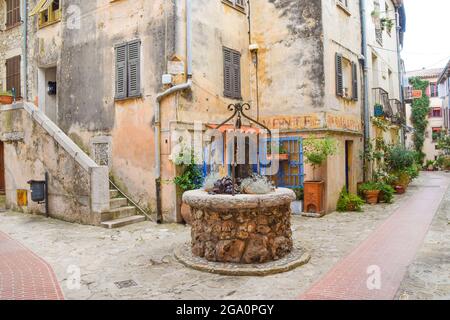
(2, 170)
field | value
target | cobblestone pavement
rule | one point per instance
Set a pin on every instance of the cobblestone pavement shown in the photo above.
(375, 269)
(144, 253)
(429, 276)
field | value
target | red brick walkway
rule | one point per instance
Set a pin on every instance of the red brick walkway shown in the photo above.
(25, 276)
(386, 253)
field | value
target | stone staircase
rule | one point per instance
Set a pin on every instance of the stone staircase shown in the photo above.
(121, 213)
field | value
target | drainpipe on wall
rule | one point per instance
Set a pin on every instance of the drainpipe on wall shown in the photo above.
(25, 49)
(400, 70)
(366, 111)
(185, 86)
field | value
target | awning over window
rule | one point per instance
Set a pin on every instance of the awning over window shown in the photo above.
(41, 6)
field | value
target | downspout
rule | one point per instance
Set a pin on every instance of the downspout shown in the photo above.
(363, 9)
(25, 49)
(185, 86)
(400, 70)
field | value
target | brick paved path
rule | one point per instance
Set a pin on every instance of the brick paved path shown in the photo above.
(387, 252)
(23, 275)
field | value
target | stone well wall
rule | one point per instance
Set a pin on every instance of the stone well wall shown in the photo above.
(241, 229)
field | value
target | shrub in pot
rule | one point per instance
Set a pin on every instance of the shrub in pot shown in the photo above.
(371, 191)
(349, 202)
(190, 179)
(317, 151)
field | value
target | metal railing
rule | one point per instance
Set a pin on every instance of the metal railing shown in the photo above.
(381, 97)
(131, 201)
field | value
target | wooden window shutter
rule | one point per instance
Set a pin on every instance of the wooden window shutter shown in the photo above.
(12, 12)
(227, 72)
(354, 81)
(121, 71)
(236, 75)
(13, 75)
(134, 68)
(339, 76)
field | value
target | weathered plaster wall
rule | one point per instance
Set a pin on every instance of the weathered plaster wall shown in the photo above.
(29, 152)
(291, 56)
(85, 63)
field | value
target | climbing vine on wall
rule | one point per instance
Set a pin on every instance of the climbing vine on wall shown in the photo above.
(419, 116)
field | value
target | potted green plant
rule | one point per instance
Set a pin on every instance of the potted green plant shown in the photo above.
(429, 165)
(371, 191)
(190, 178)
(278, 152)
(6, 97)
(401, 162)
(297, 205)
(349, 202)
(316, 152)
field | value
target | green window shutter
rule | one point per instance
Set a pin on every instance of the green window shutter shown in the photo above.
(339, 76)
(355, 81)
(134, 68)
(236, 88)
(121, 71)
(227, 73)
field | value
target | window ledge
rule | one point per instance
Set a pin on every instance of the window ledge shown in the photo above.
(128, 98)
(343, 7)
(237, 8)
(7, 28)
(49, 24)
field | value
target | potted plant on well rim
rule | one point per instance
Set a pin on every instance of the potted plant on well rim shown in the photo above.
(317, 151)
(6, 97)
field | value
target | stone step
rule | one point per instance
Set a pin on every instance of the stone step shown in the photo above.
(118, 203)
(119, 213)
(118, 223)
(113, 194)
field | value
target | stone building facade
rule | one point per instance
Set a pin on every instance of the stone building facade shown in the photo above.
(124, 75)
(436, 117)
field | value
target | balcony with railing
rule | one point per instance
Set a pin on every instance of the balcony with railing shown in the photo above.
(399, 110)
(382, 103)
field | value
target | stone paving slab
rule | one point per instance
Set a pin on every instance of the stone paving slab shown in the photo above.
(144, 253)
(375, 269)
(23, 275)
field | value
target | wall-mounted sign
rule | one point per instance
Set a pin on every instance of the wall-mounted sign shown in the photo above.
(417, 94)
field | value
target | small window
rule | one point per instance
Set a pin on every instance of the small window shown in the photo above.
(436, 133)
(346, 78)
(12, 13)
(128, 70)
(436, 112)
(48, 12)
(434, 90)
(13, 75)
(232, 73)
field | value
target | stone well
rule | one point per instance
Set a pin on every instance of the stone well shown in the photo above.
(244, 229)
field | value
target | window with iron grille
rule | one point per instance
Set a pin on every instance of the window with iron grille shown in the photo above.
(13, 75)
(128, 72)
(436, 112)
(232, 73)
(12, 13)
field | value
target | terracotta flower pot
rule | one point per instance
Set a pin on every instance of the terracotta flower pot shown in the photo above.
(186, 213)
(279, 157)
(372, 196)
(400, 189)
(6, 99)
(314, 197)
